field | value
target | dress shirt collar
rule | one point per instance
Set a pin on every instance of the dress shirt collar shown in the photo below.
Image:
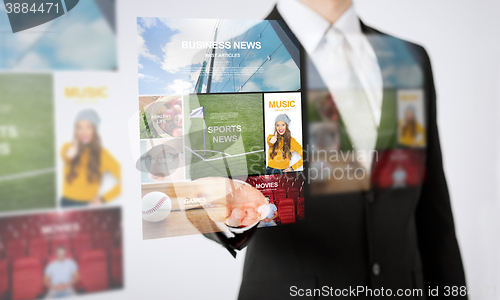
(310, 27)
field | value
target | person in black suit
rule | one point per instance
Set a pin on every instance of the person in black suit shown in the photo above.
(369, 235)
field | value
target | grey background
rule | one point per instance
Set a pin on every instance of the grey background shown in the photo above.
(462, 40)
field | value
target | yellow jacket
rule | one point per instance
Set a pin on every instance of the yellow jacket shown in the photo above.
(80, 189)
(409, 140)
(280, 162)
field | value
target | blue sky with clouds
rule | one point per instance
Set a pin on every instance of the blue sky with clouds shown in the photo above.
(79, 40)
(153, 35)
(165, 68)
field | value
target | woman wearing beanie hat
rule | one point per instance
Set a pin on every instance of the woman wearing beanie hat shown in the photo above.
(281, 147)
(411, 132)
(85, 161)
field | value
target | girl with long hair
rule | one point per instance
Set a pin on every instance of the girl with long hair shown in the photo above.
(85, 162)
(281, 147)
(411, 132)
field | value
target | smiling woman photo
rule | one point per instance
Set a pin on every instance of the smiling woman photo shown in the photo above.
(281, 147)
(85, 163)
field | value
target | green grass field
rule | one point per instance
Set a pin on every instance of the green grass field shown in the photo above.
(388, 129)
(26, 104)
(225, 110)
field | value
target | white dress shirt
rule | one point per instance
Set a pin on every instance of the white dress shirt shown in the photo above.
(347, 64)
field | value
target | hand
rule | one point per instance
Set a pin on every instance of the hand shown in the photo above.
(231, 202)
(72, 150)
(96, 201)
(274, 138)
(288, 169)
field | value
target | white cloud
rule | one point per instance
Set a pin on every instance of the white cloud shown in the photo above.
(32, 60)
(23, 42)
(250, 87)
(179, 86)
(148, 22)
(148, 78)
(88, 46)
(140, 66)
(254, 64)
(194, 75)
(174, 57)
(281, 76)
(142, 49)
(140, 29)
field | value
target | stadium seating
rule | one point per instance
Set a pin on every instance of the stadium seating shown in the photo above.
(414, 175)
(39, 247)
(2, 249)
(94, 271)
(286, 211)
(117, 267)
(29, 242)
(81, 242)
(104, 240)
(293, 193)
(300, 208)
(4, 279)
(279, 193)
(15, 249)
(27, 281)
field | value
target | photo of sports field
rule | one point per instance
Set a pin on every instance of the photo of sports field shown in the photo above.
(27, 153)
(231, 140)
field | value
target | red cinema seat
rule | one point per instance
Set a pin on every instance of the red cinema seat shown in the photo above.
(385, 179)
(277, 203)
(4, 279)
(279, 193)
(15, 249)
(81, 243)
(286, 211)
(117, 267)
(300, 208)
(94, 271)
(413, 176)
(39, 247)
(60, 241)
(293, 193)
(104, 240)
(27, 279)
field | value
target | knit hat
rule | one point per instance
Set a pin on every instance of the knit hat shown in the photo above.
(88, 115)
(284, 118)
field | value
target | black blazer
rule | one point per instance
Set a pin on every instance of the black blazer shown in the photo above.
(384, 238)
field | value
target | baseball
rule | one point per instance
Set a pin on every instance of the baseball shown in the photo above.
(156, 206)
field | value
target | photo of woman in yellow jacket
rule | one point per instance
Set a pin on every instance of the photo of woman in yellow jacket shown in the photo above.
(85, 163)
(281, 147)
(411, 132)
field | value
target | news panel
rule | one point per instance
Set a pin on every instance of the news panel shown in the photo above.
(220, 119)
